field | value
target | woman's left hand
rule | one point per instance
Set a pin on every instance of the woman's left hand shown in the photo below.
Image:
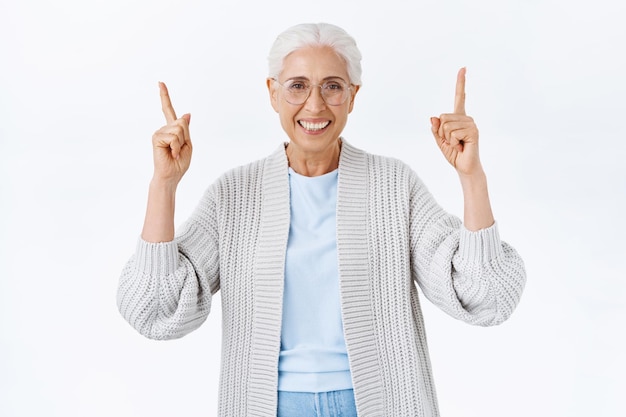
(457, 134)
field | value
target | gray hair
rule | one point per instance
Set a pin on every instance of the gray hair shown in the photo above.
(316, 34)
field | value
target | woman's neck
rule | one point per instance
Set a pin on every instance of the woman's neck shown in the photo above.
(313, 164)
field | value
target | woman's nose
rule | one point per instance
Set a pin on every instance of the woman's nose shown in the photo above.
(315, 101)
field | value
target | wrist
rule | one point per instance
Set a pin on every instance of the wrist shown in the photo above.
(473, 179)
(477, 207)
(163, 185)
(159, 221)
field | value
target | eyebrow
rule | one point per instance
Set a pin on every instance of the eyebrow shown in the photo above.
(303, 78)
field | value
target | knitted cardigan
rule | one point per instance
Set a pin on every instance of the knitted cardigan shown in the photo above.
(391, 234)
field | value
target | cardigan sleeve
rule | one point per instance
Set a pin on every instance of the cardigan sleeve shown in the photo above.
(471, 275)
(165, 288)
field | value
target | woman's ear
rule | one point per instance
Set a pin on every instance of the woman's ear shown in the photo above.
(356, 90)
(271, 87)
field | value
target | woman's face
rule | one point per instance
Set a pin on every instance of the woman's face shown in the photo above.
(313, 126)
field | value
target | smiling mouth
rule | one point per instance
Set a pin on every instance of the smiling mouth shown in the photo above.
(313, 127)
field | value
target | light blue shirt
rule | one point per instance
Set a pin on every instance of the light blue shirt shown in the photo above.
(313, 356)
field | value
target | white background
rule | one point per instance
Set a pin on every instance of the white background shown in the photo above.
(78, 105)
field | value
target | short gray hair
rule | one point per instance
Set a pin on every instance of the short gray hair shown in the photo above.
(316, 34)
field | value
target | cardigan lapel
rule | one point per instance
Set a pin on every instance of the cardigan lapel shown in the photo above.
(356, 304)
(268, 286)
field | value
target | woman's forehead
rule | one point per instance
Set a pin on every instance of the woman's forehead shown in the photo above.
(318, 62)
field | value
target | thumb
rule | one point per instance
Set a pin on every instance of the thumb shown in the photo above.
(187, 117)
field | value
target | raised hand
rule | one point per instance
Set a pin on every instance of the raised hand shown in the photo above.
(456, 133)
(171, 144)
(171, 148)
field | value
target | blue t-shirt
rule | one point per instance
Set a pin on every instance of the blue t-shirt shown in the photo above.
(313, 356)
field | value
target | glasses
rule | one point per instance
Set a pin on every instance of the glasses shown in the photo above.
(334, 92)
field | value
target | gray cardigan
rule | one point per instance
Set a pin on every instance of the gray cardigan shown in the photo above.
(391, 234)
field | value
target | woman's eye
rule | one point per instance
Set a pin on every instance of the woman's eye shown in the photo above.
(297, 86)
(333, 86)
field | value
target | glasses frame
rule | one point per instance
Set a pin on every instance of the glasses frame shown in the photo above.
(349, 89)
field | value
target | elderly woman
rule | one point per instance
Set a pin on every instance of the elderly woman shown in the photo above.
(317, 250)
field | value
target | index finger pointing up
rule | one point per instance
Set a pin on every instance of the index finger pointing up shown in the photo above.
(166, 104)
(459, 96)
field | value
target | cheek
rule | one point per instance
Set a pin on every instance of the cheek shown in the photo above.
(286, 118)
(287, 112)
(343, 114)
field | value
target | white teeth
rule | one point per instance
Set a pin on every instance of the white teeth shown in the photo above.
(314, 126)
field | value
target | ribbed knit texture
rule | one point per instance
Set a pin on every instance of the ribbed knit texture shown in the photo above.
(390, 234)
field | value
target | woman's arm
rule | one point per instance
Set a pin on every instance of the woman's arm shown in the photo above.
(477, 212)
(457, 137)
(158, 224)
(465, 269)
(472, 275)
(165, 288)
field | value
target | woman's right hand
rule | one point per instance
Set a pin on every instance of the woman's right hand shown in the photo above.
(171, 144)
